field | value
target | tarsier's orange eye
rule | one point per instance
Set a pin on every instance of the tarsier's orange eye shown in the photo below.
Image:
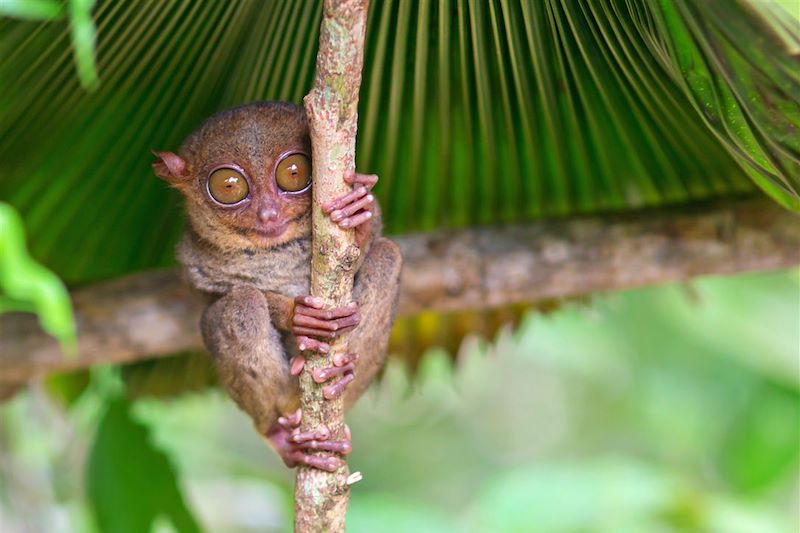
(227, 186)
(293, 173)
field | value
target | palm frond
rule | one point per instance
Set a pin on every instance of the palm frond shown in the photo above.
(472, 112)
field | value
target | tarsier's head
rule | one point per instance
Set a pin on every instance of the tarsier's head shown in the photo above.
(246, 176)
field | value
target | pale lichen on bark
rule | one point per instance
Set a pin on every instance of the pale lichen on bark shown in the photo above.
(332, 107)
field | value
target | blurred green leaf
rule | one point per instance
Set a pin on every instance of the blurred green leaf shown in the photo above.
(130, 483)
(370, 513)
(763, 444)
(27, 286)
(84, 35)
(602, 496)
(67, 388)
(31, 9)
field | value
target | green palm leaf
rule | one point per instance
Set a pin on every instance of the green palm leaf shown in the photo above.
(472, 112)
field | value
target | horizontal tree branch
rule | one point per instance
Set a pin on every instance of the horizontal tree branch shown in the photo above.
(153, 314)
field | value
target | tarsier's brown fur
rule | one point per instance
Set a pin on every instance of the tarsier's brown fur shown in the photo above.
(252, 279)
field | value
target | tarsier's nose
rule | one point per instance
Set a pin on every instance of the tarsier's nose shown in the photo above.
(267, 214)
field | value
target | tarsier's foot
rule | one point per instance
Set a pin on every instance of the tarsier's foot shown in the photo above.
(294, 445)
(344, 364)
(311, 320)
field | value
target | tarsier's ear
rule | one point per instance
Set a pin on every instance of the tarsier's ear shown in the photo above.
(169, 167)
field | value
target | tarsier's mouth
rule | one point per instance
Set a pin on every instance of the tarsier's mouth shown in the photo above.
(274, 231)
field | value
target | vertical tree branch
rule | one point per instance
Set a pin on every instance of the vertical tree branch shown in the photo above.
(332, 108)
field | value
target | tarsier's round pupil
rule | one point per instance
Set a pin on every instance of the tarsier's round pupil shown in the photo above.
(227, 186)
(293, 173)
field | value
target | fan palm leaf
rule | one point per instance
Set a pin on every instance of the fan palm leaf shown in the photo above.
(473, 113)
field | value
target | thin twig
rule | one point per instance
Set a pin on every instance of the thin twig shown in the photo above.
(332, 108)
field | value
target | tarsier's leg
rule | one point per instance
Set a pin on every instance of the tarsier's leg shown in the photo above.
(252, 365)
(376, 288)
(249, 355)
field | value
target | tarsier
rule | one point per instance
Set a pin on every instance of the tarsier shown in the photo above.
(246, 178)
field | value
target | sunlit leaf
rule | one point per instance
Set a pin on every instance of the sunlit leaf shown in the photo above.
(27, 286)
(744, 81)
(762, 444)
(31, 9)
(84, 35)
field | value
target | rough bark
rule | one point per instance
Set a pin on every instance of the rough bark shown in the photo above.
(332, 107)
(151, 314)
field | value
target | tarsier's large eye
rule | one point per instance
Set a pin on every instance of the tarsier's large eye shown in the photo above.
(227, 186)
(293, 173)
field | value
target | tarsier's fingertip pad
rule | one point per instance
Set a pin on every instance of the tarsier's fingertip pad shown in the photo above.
(330, 393)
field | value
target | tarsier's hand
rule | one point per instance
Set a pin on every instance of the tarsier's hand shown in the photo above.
(354, 208)
(310, 324)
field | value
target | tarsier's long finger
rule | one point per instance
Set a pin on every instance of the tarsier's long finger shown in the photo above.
(341, 359)
(356, 220)
(310, 301)
(329, 464)
(318, 433)
(342, 201)
(340, 446)
(367, 180)
(349, 209)
(332, 324)
(313, 332)
(321, 375)
(327, 314)
(321, 333)
(316, 323)
(296, 365)
(334, 391)
(291, 421)
(307, 343)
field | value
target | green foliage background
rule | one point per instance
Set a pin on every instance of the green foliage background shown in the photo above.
(668, 409)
